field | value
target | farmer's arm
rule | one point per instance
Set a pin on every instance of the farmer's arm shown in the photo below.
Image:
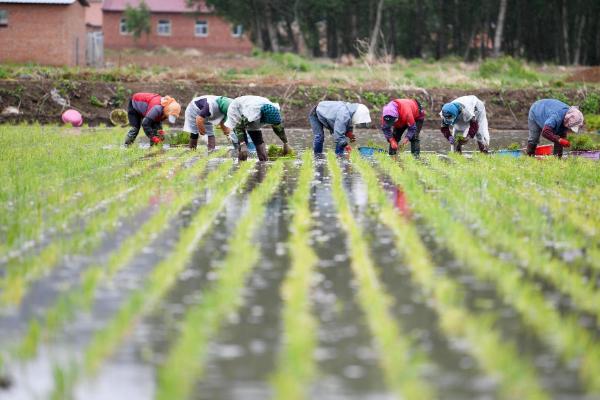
(551, 126)
(203, 114)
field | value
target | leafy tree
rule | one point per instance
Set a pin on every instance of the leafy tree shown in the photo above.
(137, 20)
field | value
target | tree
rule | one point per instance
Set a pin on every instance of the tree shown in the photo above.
(499, 28)
(137, 20)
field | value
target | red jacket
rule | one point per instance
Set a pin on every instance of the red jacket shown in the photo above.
(408, 114)
(148, 104)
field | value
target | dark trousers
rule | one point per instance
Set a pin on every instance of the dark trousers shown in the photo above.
(135, 122)
(256, 135)
(415, 142)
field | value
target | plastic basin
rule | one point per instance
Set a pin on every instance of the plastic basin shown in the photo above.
(592, 154)
(510, 153)
(369, 151)
(544, 150)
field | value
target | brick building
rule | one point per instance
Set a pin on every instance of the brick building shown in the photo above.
(51, 32)
(175, 25)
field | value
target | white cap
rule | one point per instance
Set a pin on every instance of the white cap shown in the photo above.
(172, 119)
(361, 115)
(575, 128)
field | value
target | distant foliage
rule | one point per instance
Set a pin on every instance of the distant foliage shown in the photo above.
(506, 66)
(591, 104)
(137, 19)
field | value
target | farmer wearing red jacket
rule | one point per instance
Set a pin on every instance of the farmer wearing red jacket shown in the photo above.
(398, 116)
(148, 110)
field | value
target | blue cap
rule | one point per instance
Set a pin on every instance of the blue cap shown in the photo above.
(450, 112)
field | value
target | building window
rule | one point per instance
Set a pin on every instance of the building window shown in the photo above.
(123, 27)
(3, 18)
(201, 28)
(164, 27)
(237, 30)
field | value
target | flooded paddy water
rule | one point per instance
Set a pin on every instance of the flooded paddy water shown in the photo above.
(434, 278)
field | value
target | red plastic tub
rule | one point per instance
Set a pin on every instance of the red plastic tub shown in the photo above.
(545, 150)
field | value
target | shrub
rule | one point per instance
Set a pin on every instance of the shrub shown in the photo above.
(506, 67)
(592, 122)
(591, 104)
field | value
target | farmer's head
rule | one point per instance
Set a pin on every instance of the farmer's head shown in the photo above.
(390, 113)
(223, 103)
(450, 112)
(361, 116)
(573, 119)
(269, 114)
(171, 108)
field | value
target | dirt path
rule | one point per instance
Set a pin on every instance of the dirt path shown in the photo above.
(505, 109)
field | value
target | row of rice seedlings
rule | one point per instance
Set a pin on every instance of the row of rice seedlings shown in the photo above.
(499, 358)
(403, 363)
(569, 226)
(457, 187)
(296, 366)
(74, 299)
(28, 220)
(20, 274)
(157, 284)
(562, 334)
(184, 365)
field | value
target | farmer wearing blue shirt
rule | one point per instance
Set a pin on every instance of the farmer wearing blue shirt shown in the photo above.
(553, 119)
(339, 118)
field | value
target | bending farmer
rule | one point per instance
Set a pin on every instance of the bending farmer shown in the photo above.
(246, 115)
(465, 114)
(398, 116)
(552, 119)
(148, 110)
(339, 118)
(201, 114)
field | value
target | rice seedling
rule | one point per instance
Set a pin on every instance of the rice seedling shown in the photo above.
(73, 299)
(498, 357)
(183, 365)
(162, 277)
(20, 273)
(562, 334)
(401, 360)
(457, 188)
(296, 366)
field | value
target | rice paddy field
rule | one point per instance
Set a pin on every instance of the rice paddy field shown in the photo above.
(165, 273)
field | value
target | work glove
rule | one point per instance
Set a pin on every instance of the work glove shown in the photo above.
(156, 139)
(348, 149)
(350, 135)
(286, 149)
(564, 142)
(451, 139)
(393, 143)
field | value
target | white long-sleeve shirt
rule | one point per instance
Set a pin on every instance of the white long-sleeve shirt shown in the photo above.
(245, 106)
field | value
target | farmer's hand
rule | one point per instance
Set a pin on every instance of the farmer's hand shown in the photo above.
(350, 135)
(156, 139)
(161, 133)
(348, 149)
(451, 139)
(404, 142)
(393, 143)
(286, 149)
(200, 125)
(564, 142)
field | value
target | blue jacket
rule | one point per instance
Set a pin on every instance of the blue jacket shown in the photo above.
(336, 116)
(551, 113)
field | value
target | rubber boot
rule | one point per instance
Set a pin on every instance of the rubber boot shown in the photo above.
(482, 148)
(531, 149)
(193, 144)
(557, 150)
(261, 152)
(243, 152)
(130, 138)
(458, 147)
(212, 142)
(415, 147)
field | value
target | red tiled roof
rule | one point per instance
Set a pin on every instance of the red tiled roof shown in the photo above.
(173, 6)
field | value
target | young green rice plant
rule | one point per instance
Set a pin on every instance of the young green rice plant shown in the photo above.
(19, 275)
(561, 333)
(401, 361)
(74, 299)
(494, 353)
(275, 151)
(183, 365)
(456, 189)
(162, 278)
(296, 367)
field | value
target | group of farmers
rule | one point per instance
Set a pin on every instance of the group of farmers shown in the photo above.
(401, 122)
